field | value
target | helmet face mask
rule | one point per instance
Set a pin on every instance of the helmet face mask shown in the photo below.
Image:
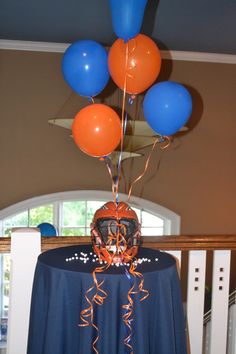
(115, 233)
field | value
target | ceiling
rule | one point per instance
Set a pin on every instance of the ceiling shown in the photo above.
(186, 25)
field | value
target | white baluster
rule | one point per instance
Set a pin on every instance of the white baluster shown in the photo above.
(25, 248)
(220, 293)
(207, 337)
(231, 343)
(195, 299)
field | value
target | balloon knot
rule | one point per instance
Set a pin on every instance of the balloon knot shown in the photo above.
(90, 99)
(102, 158)
(131, 99)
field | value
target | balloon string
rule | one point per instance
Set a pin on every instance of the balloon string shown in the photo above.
(119, 237)
(98, 298)
(133, 40)
(113, 183)
(129, 308)
(145, 169)
(132, 66)
(120, 160)
(159, 139)
(87, 315)
(140, 285)
(164, 139)
(123, 126)
(87, 312)
(91, 99)
(128, 316)
(131, 99)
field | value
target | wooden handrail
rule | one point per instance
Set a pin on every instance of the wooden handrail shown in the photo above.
(184, 243)
(187, 243)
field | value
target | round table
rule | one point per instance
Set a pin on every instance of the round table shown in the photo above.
(63, 276)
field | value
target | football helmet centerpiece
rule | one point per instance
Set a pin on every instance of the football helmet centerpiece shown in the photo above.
(116, 237)
(115, 233)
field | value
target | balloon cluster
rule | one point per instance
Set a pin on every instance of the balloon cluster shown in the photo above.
(134, 64)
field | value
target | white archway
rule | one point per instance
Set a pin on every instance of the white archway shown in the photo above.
(171, 220)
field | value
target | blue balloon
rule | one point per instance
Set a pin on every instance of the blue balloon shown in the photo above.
(127, 17)
(47, 229)
(167, 107)
(85, 67)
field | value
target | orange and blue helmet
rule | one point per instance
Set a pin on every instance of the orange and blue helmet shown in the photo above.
(115, 233)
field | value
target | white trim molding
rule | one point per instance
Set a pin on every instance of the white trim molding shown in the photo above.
(199, 57)
(165, 54)
(33, 46)
(172, 220)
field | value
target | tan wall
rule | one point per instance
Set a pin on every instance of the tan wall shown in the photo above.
(195, 177)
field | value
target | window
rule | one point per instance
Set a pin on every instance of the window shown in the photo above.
(28, 218)
(72, 212)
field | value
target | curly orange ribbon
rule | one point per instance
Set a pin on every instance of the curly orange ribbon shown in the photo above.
(128, 316)
(113, 187)
(158, 140)
(87, 314)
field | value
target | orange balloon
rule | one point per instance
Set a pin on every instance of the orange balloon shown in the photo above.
(138, 62)
(97, 130)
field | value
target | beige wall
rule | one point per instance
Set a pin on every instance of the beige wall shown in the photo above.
(195, 177)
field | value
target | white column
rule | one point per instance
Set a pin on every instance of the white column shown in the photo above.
(195, 299)
(25, 248)
(220, 295)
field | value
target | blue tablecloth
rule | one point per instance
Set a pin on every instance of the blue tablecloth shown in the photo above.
(60, 282)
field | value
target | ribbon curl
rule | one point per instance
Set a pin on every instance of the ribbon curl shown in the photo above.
(165, 139)
(87, 315)
(117, 237)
